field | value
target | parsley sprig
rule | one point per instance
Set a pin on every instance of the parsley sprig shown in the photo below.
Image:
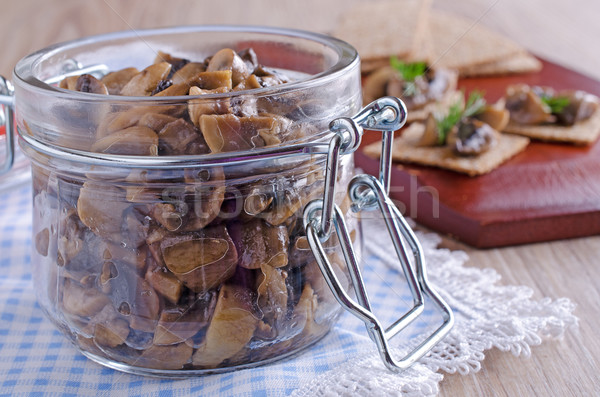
(475, 105)
(556, 104)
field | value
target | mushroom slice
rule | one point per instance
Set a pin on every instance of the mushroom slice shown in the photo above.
(472, 137)
(201, 260)
(165, 283)
(155, 121)
(231, 328)
(525, 106)
(101, 207)
(188, 72)
(115, 81)
(259, 243)
(146, 81)
(82, 301)
(580, 106)
(495, 116)
(181, 323)
(272, 294)
(198, 107)
(69, 83)
(226, 133)
(109, 329)
(135, 140)
(88, 83)
(227, 59)
(249, 57)
(165, 357)
(256, 201)
(176, 63)
(213, 80)
(430, 135)
(134, 298)
(175, 136)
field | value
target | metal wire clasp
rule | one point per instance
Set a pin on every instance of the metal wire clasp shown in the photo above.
(367, 192)
(7, 101)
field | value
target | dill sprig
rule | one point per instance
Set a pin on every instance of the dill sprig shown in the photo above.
(409, 71)
(556, 104)
(474, 105)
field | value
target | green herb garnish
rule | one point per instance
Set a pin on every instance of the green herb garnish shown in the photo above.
(556, 104)
(475, 104)
(409, 71)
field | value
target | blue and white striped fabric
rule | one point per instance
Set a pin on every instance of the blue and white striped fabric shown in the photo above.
(35, 359)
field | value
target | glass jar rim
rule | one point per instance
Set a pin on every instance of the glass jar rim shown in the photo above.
(23, 73)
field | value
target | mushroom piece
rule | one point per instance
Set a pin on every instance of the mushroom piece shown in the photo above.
(272, 294)
(525, 106)
(213, 80)
(100, 207)
(115, 81)
(188, 72)
(88, 83)
(471, 137)
(134, 298)
(496, 116)
(180, 323)
(137, 140)
(259, 243)
(82, 301)
(257, 200)
(109, 329)
(174, 137)
(231, 328)
(227, 59)
(200, 106)
(146, 81)
(431, 135)
(581, 106)
(165, 357)
(201, 260)
(165, 283)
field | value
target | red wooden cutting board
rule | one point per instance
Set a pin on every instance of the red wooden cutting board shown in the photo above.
(548, 192)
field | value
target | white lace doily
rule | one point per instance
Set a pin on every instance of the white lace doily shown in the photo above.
(487, 315)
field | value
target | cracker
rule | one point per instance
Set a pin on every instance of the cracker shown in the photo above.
(406, 149)
(584, 132)
(383, 28)
(459, 43)
(518, 63)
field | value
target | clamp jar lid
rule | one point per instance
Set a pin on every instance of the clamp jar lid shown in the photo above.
(199, 221)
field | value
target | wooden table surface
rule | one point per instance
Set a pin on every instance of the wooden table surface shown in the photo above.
(564, 32)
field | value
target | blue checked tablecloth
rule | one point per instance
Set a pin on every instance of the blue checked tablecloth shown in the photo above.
(35, 359)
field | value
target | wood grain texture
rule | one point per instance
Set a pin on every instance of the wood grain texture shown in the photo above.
(565, 32)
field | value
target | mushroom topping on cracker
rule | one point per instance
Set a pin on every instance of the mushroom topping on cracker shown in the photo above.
(415, 83)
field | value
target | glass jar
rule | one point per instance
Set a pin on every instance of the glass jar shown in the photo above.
(168, 246)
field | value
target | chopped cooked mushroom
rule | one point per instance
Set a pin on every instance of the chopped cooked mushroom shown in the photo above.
(82, 301)
(182, 322)
(272, 294)
(496, 116)
(101, 207)
(134, 298)
(165, 357)
(227, 59)
(146, 81)
(198, 107)
(259, 243)
(188, 72)
(88, 83)
(526, 107)
(201, 260)
(165, 283)
(231, 328)
(109, 329)
(472, 137)
(115, 81)
(175, 136)
(580, 106)
(136, 140)
(42, 241)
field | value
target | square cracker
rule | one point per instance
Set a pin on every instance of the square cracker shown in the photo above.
(459, 43)
(379, 29)
(585, 132)
(518, 63)
(406, 149)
